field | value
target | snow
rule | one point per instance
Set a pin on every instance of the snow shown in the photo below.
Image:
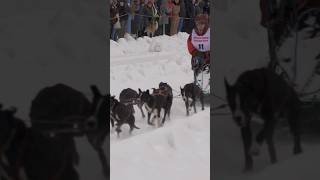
(181, 148)
(304, 166)
(240, 44)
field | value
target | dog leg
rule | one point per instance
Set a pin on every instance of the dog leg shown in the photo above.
(140, 107)
(255, 148)
(131, 123)
(149, 115)
(164, 116)
(194, 104)
(202, 101)
(118, 129)
(187, 106)
(112, 121)
(158, 117)
(246, 138)
(104, 161)
(271, 148)
(256, 145)
(294, 127)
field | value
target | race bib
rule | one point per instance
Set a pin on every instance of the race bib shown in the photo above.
(201, 43)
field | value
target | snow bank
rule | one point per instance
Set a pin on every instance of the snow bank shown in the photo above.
(128, 46)
(180, 151)
(145, 62)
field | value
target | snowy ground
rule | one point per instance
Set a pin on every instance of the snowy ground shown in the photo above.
(241, 44)
(180, 149)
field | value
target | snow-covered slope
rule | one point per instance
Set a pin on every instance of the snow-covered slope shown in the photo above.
(181, 148)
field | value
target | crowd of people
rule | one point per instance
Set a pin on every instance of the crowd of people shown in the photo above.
(154, 17)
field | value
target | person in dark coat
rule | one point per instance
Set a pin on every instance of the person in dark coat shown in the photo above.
(198, 7)
(124, 10)
(206, 7)
(136, 18)
(174, 19)
(115, 20)
(190, 14)
(164, 19)
(151, 18)
(182, 15)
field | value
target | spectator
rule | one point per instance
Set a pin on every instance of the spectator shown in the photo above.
(198, 7)
(190, 14)
(206, 7)
(174, 17)
(151, 17)
(164, 19)
(115, 21)
(136, 18)
(124, 10)
(182, 15)
(141, 22)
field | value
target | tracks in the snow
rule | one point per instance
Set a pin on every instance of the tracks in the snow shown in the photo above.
(142, 58)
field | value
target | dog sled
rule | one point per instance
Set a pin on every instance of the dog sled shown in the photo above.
(294, 39)
(201, 74)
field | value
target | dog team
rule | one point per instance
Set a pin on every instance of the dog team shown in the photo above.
(122, 111)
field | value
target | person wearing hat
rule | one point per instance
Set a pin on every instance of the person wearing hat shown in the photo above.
(199, 43)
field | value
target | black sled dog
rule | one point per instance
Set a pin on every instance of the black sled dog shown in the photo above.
(154, 103)
(121, 114)
(130, 97)
(264, 93)
(167, 90)
(190, 93)
(25, 153)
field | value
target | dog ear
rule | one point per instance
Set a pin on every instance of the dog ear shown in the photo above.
(147, 91)
(140, 91)
(95, 90)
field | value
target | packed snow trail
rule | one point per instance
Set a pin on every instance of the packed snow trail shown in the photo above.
(181, 148)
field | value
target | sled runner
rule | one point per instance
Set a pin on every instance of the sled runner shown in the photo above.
(201, 73)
